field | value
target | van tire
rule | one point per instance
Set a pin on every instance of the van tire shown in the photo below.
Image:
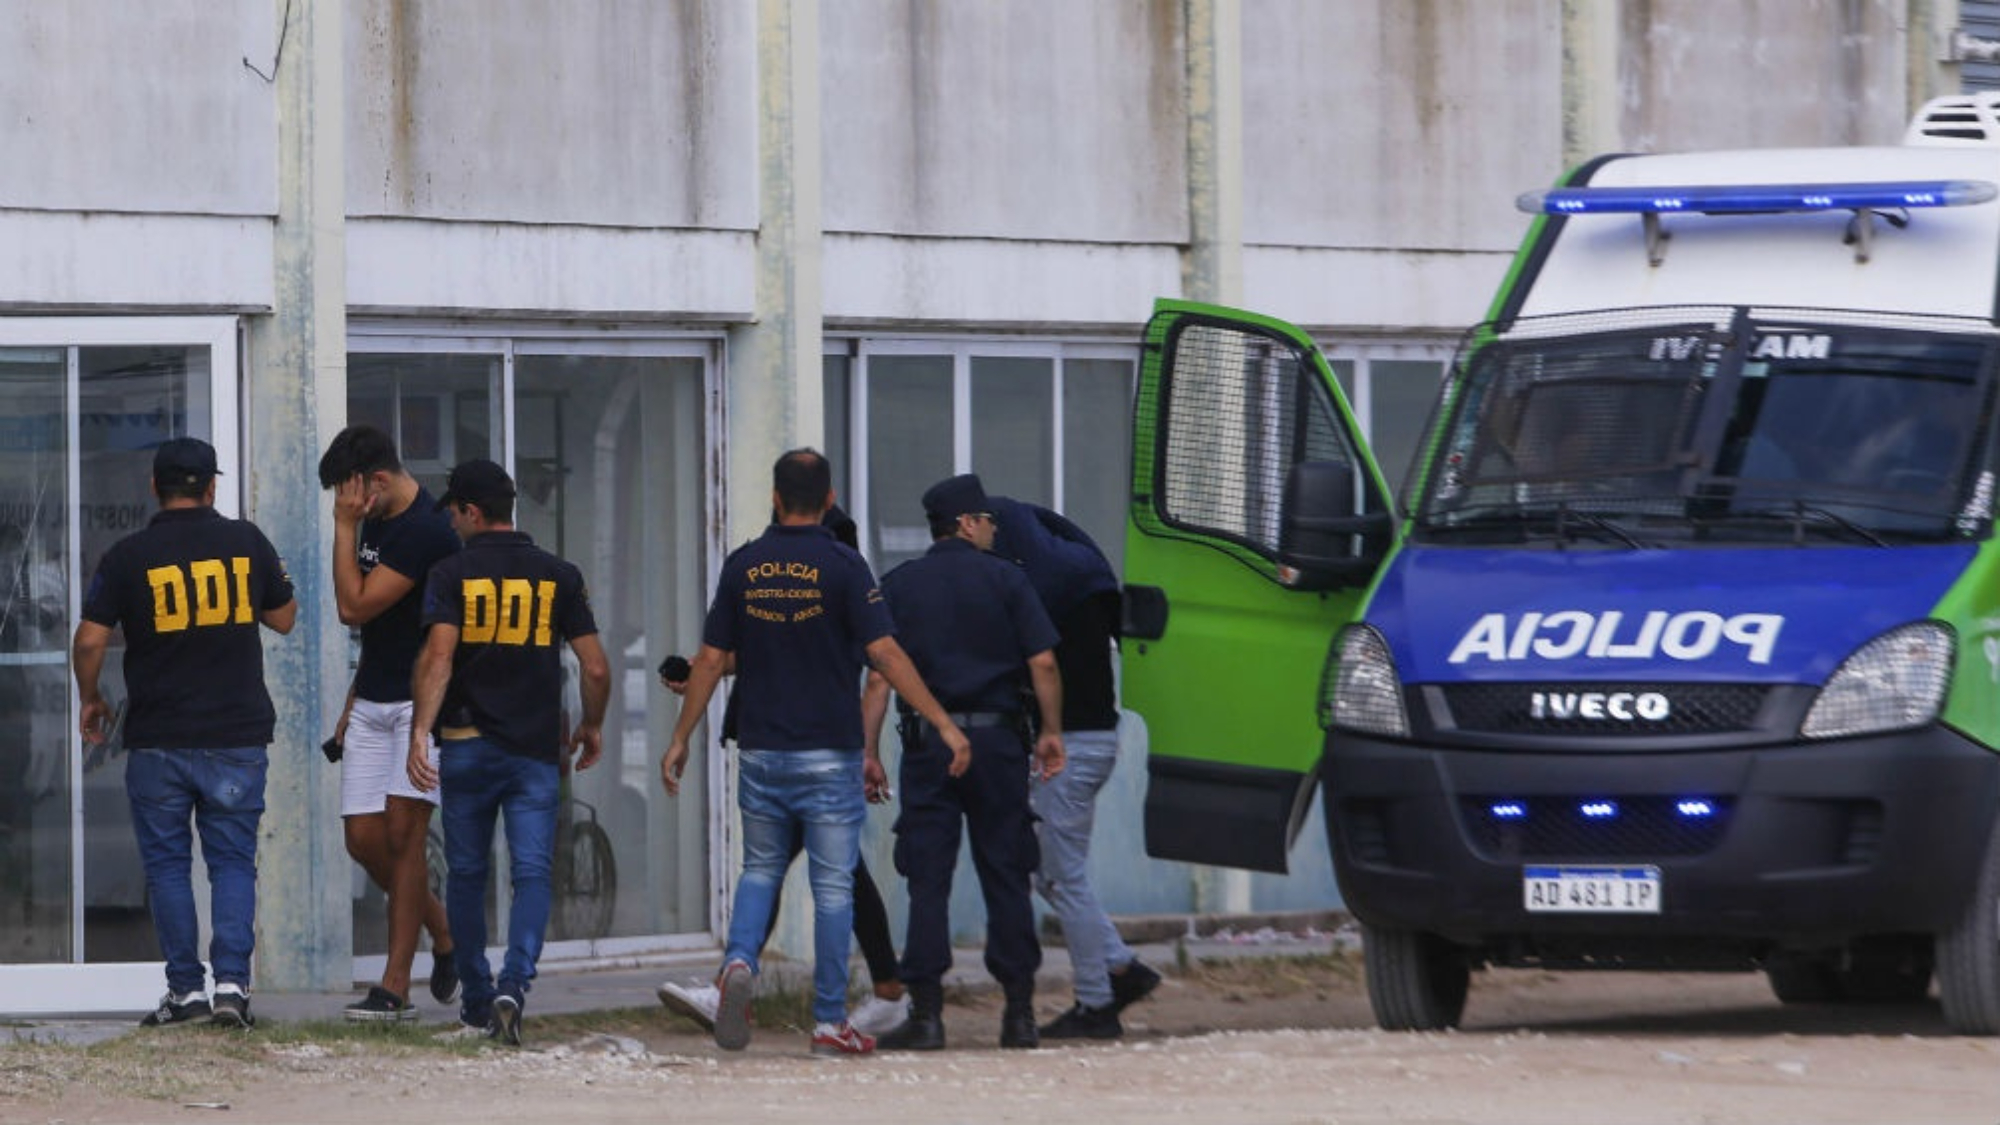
(1416, 981)
(1801, 978)
(1968, 955)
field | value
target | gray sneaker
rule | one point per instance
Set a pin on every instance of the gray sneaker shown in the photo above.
(186, 1008)
(507, 1019)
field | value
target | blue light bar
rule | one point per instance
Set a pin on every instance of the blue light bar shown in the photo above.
(1695, 808)
(1508, 810)
(1598, 810)
(1727, 199)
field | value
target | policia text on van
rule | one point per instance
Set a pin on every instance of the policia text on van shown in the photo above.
(1682, 646)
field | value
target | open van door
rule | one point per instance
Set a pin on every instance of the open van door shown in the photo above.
(1258, 518)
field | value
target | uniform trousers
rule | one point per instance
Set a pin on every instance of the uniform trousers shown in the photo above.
(990, 805)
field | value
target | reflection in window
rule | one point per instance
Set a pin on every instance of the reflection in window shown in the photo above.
(909, 449)
(1013, 435)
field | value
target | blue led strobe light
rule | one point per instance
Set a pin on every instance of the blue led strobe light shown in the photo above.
(1598, 810)
(1723, 199)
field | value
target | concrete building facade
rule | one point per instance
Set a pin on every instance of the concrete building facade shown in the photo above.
(635, 249)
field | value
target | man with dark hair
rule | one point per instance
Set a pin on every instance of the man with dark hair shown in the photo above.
(489, 681)
(796, 613)
(387, 533)
(885, 1007)
(190, 590)
(979, 636)
(1079, 590)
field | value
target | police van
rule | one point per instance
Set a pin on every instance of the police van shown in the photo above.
(1680, 648)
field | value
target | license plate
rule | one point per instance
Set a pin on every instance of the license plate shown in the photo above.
(1591, 890)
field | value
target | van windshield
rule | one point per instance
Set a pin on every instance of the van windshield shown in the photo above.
(1627, 429)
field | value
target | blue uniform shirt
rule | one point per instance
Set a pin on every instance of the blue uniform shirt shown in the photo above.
(797, 607)
(969, 621)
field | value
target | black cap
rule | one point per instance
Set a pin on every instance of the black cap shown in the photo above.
(959, 496)
(478, 482)
(184, 460)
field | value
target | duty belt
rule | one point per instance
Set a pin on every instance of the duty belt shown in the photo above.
(967, 720)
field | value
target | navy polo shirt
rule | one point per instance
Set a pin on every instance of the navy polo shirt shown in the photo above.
(969, 621)
(515, 606)
(188, 590)
(797, 607)
(409, 543)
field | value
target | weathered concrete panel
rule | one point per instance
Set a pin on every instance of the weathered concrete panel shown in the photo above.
(147, 107)
(408, 265)
(1385, 290)
(1398, 126)
(625, 112)
(958, 282)
(1033, 119)
(136, 261)
(1703, 74)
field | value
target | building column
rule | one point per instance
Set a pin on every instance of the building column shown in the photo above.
(1213, 268)
(1590, 95)
(772, 391)
(296, 401)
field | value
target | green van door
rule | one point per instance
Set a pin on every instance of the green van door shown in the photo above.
(1258, 518)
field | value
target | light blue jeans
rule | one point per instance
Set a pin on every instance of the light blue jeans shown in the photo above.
(223, 791)
(780, 793)
(1067, 807)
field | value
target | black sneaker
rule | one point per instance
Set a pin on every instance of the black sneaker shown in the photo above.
(380, 1006)
(1082, 1022)
(444, 977)
(232, 1007)
(177, 1009)
(1132, 984)
(507, 1019)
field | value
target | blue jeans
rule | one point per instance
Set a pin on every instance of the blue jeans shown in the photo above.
(224, 790)
(1067, 805)
(782, 793)
(478, 782)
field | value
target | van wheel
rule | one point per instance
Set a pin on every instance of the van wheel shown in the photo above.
(1416, 981)
(1968, 955)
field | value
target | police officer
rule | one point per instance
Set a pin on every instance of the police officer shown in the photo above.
(795, 614)
(190, 590)
(489, 681)
(978, 635)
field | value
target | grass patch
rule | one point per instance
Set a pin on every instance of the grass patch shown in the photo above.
(1271, 977)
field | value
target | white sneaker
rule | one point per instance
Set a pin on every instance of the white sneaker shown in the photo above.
(695, 1001)
(875, 1015)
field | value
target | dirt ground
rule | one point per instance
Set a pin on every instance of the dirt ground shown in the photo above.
(1277, 1039)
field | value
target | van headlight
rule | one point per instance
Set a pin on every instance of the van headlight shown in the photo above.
(1895, 682)
(1359, 690)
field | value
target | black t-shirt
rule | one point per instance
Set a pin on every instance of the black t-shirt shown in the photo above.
(969, 621)
(1090, 698)
(515, 606)
(188, 589)
(409, 543)
(797, 608)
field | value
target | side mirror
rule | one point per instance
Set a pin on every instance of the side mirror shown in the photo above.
(1324, 542)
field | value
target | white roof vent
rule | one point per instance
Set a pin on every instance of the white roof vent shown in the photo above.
(1957, 119)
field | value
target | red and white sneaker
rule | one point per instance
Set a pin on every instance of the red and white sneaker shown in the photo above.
(834, 1039)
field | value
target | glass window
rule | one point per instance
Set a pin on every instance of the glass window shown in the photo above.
(1013, 427)
(1404, 391)
(909, 449)
(1097, 450)
(836, 379)
(608, 460)
(441, 409)
(129, 400)
(35, 861)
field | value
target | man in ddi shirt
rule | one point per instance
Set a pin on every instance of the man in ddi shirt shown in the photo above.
(489, 681)
(190, 590)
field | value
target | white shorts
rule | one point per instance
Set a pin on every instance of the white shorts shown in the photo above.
(375, 763)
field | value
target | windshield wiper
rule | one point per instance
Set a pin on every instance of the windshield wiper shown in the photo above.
(1802, 513)
(1567, 523)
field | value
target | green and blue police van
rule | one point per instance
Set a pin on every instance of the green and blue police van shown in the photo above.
(1680, 647)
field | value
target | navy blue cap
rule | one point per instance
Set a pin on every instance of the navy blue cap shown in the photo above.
(184, 460)
(478, 481)
(961, 495)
